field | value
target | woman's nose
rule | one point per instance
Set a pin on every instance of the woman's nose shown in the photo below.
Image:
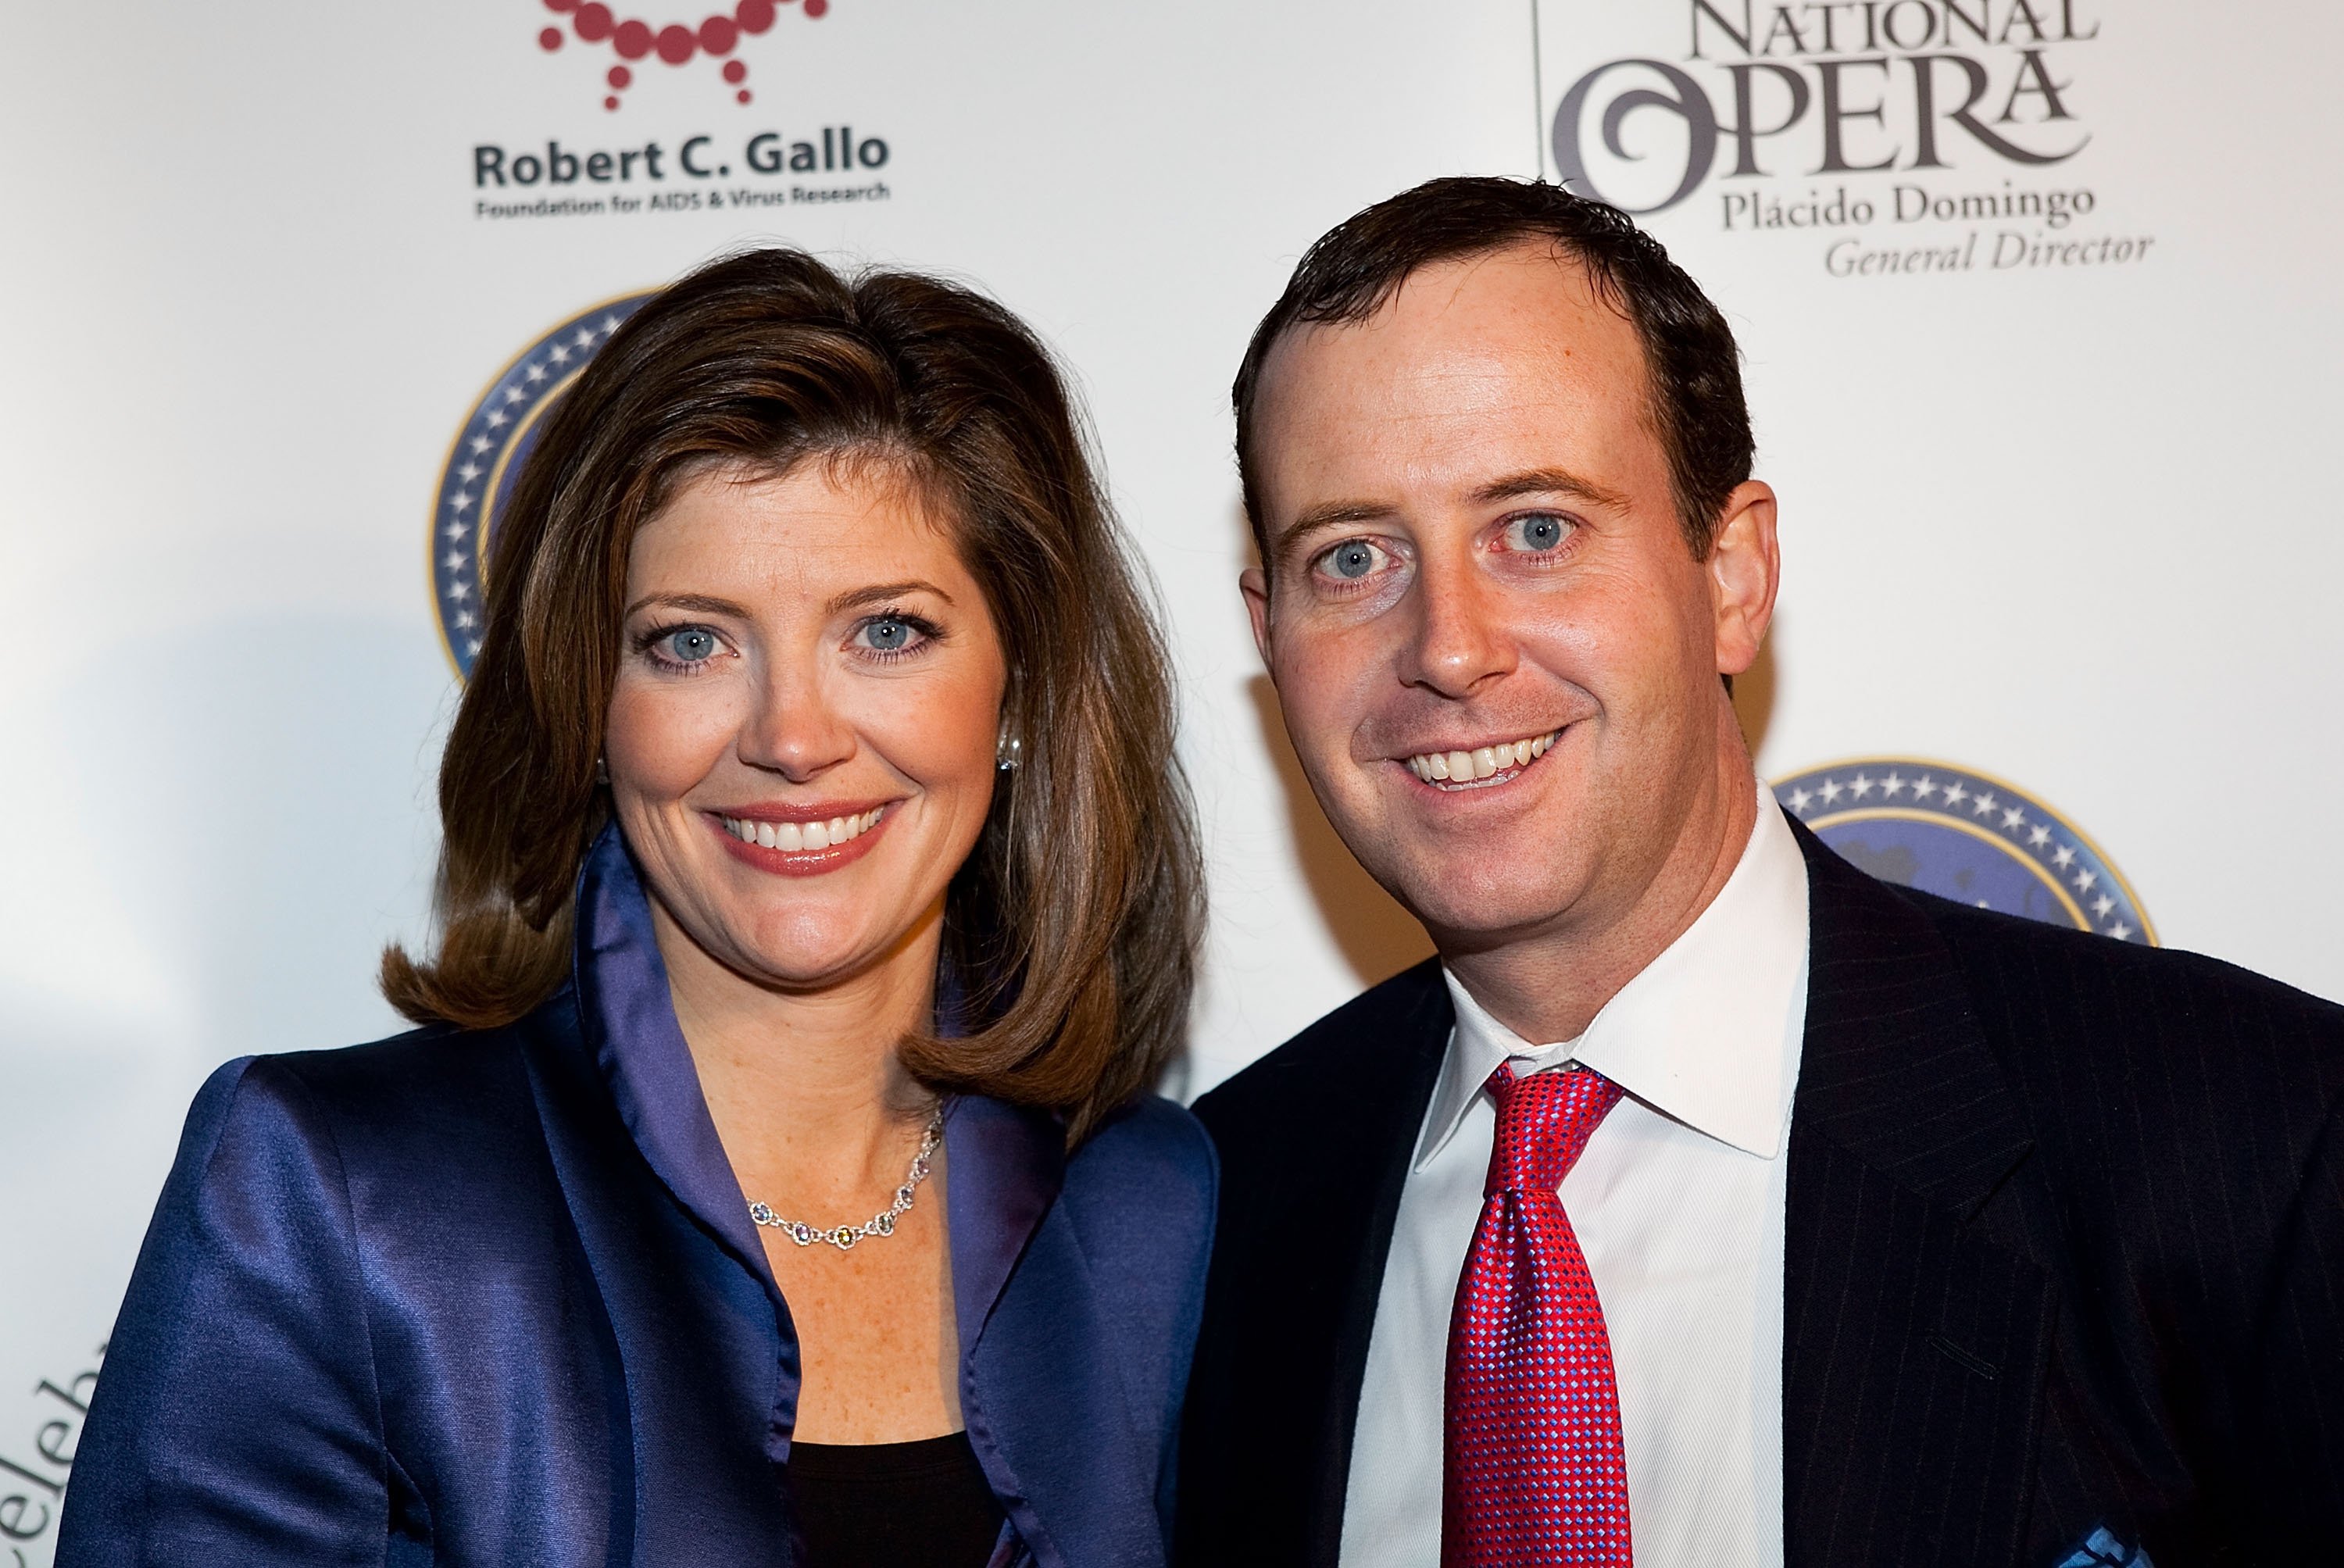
(793, 729)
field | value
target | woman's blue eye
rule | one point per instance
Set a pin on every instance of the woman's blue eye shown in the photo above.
(893, 632)
(1537, 533)
(1352, 561)
(692, 644)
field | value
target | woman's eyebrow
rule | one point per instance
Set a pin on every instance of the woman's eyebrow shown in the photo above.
(879, 592)
(700, 603)
(708, 604)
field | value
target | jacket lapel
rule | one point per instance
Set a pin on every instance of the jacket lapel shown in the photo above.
(1040, 1390)
(1914, 1345)
(1004, 1167)
(709, 1357)
(627, 1014)
(698, 1357)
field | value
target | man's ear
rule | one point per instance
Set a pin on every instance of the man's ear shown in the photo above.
(1745, 568)
(1254, 584)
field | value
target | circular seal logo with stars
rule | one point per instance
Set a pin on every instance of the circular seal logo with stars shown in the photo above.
(1964, 834)
(486, 458)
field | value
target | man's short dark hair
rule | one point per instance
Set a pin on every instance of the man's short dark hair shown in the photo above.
(1693, 367)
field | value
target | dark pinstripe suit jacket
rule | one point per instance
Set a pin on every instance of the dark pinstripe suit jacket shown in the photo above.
(2066, 1249)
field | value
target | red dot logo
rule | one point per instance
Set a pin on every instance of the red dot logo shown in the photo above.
(673, 43)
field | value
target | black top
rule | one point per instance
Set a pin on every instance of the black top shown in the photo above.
(924, 1505)
(2065, 1254)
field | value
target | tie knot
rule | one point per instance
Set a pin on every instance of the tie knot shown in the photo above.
(1543, 1123)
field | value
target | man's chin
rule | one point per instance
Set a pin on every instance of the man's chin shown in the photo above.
(1469, 913)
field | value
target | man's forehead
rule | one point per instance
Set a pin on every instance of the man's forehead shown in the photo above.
(1530, 300)
(1515, 342)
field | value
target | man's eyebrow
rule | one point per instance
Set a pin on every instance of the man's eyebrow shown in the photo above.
(879, 592)
(1328, 514)
(1551, 481)
(697, 603)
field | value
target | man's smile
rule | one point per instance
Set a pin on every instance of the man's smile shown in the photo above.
(1480, 767)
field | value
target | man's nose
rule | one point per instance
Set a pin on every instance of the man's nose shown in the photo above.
(1460, 642)
(793, 728)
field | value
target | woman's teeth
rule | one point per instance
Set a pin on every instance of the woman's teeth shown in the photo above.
(804, 835)
(1481, 763)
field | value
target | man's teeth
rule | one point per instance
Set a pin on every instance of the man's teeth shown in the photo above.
(804, 835)
(1481, 763)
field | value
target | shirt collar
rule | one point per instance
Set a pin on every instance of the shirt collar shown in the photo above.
(1701, 1034)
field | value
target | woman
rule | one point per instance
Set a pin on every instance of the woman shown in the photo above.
(774, 1180)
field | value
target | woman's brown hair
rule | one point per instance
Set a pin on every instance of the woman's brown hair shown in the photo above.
(1074, 926)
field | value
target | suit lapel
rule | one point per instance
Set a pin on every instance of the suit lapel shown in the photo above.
(1914, 1346)
(1315, 1146)
(1373, 1131)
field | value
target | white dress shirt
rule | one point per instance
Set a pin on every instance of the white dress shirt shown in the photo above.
(1678, 1205)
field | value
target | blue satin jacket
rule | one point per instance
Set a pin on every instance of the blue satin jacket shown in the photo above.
(495, 1299)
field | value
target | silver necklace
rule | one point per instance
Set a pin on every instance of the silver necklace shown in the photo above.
(843, 1237)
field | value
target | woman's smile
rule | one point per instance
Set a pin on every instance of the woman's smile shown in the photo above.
(801, 840)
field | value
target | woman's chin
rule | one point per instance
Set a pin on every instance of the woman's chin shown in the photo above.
(814, 960)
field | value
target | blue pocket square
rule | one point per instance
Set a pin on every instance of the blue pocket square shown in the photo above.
(2101, 1549)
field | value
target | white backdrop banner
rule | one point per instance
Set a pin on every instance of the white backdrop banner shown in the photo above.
(2039, 340)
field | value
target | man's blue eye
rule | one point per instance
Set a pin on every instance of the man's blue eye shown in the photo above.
(692, 644)
(1353, 560)
(1540, 533)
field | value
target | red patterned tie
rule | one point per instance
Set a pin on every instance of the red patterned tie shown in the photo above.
(1534, 1473)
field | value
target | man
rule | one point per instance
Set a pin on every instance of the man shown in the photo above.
(1704, 1202)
